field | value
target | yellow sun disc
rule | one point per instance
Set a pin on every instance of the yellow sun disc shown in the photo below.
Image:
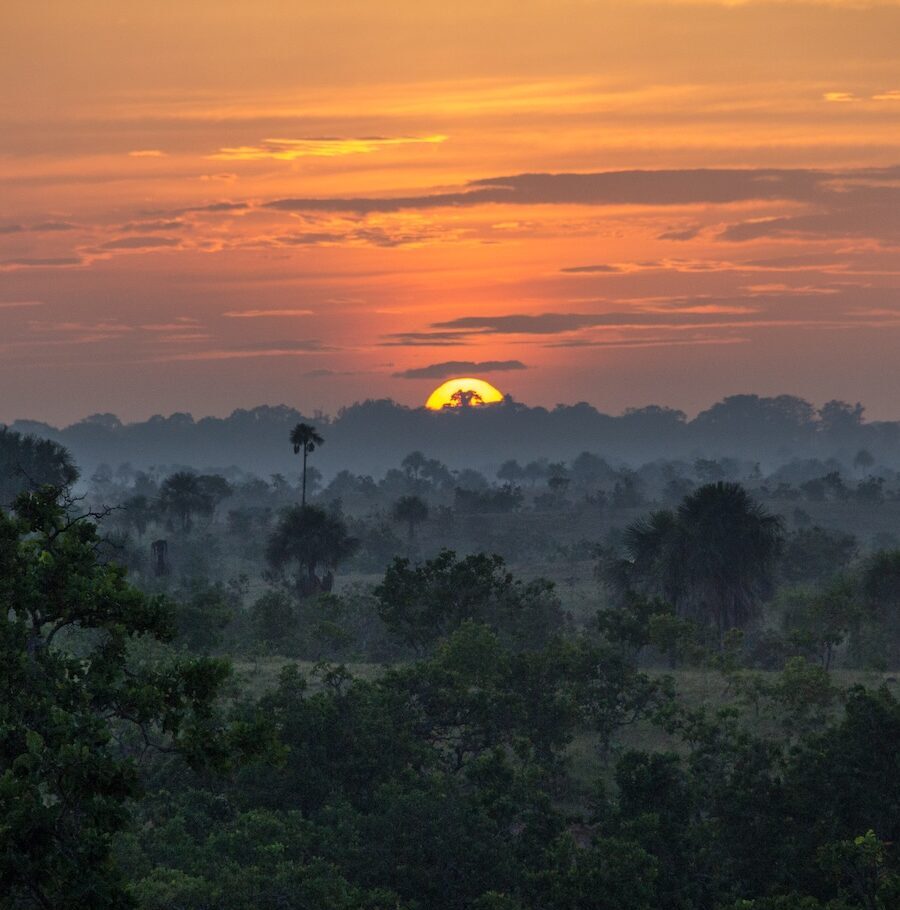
(460, 393)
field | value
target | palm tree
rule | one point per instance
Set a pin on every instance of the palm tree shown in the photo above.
(413, 511)
(305, 438)
(655, 557)
(183, 494)
(309, 538)
(730, 547)
(713, 558)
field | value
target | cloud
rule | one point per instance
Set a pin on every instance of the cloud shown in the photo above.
(325, 147)
(579, 269)
(664, 187)
(139, 243)
(310, 238)
(40, 263)
(851, 202)
(221, 207)
(307, 345)
(376, 236)
(11, 228)
(324, 373)
(835, 306)
(426, 339)
(170, 225)
(54, 226)
(526, 324)
(257, 349)
(147, 153)
(260, 314)
(451, 368)
(860, 213)
(681, 234)
(647, 342)
(19, 304)
(800, 261)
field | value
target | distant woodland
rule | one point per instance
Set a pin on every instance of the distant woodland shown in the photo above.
(372, 436)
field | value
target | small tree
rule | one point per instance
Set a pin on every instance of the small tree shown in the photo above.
(183, 495)
(412, 511)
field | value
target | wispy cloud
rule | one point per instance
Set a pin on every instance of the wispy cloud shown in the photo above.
(139, 243)
(450, 368)
(47, 262)
(587, 269)
(255, 349)
(171, 224)
(647, 342)
(48, 226)
(426, 339)
(262, 314)
(324, 147)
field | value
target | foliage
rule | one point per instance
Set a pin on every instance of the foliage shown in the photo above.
(306, 539)
(712, 560)
(27, 463)
(422, 603)
(412, 511)
(304, 438)
(69, 623)
(184, 495)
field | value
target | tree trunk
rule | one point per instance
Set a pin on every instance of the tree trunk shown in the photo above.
(303, 495)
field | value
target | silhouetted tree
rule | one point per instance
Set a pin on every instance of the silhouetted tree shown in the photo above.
(413, 464)
(465, 398)
(510, 471)
(138, 513)
(714, 558)
(306, 539)
(412, 511)
(183, 495)
(28, 462)
(881, 593)
(863, 459)
(305, 438)
(730, 546)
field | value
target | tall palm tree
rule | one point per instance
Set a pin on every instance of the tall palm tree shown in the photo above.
(305, 438)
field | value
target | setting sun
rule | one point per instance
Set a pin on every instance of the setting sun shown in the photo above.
(464, 392)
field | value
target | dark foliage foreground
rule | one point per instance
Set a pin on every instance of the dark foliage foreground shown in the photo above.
(129, 779)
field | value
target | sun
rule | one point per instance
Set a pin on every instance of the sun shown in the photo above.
(463, 393)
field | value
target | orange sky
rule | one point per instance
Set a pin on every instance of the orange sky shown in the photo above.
(212, 205)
